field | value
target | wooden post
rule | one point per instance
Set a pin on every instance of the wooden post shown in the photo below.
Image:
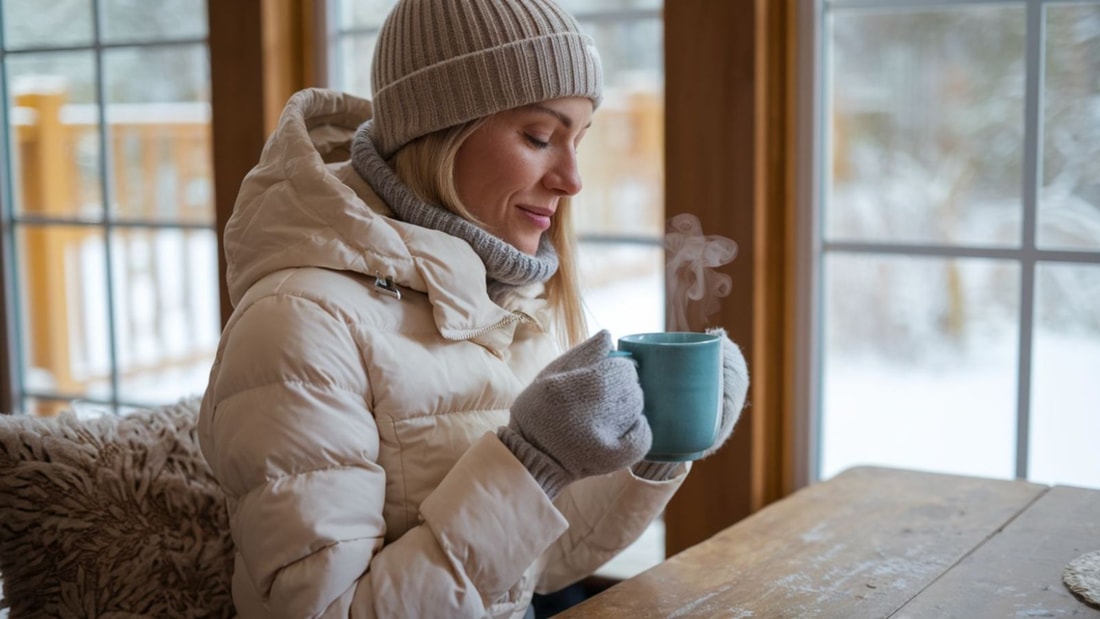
(261, 54)
(47, 189)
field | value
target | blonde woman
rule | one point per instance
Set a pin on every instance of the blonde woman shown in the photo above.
(405, 408)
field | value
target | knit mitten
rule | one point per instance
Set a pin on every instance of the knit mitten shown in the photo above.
(735, 387)
(581, 416)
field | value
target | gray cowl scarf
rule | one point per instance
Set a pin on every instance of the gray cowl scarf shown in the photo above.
(505, 266)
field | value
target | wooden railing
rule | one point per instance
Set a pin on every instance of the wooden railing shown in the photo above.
(160, 178)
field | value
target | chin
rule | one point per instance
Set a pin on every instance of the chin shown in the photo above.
(530, 248)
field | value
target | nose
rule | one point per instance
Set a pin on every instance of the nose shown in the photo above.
(565, 176)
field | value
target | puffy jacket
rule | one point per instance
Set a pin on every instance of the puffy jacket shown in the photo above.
(354, 430)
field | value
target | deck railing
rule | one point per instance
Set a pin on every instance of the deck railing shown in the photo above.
(151, 228)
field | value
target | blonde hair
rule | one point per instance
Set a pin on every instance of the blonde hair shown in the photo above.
(426, 165)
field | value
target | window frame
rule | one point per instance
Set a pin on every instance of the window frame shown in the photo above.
(814, 140)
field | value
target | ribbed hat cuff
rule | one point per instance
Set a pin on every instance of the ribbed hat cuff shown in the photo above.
(485, 82)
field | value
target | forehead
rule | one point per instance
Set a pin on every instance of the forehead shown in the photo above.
(571, 112)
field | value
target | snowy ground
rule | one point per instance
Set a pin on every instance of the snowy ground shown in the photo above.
(962, 418)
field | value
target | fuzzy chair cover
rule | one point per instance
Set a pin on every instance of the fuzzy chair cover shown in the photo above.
(114, 517)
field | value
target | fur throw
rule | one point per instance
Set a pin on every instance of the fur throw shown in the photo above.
(114, 517)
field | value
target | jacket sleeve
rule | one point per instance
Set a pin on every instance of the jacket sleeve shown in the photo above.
(288, 433)
(605, 514)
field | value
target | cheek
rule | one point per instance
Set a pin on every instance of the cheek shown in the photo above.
(496, 173)
(474, 182)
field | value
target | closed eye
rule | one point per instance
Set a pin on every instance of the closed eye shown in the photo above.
(537, 143)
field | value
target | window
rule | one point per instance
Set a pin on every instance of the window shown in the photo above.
(108, 243)
(956, 250)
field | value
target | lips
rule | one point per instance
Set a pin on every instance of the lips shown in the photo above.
(539, 216)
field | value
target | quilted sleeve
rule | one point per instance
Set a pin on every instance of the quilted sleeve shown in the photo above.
(288, 432)
(605, 514)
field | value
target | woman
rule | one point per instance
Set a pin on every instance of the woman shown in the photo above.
(390, 409)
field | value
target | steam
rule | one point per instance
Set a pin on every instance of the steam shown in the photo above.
(693, 286)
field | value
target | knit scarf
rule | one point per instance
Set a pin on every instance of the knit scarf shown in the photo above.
(506, 267)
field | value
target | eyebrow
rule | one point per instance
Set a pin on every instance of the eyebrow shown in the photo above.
(565, 120)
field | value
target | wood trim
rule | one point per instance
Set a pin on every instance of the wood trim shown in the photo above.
(7, 348)
(728, 124)
(288, 53)
(236, 95)
(260, 54)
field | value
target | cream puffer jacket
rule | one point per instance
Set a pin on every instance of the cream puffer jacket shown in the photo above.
(354, 430)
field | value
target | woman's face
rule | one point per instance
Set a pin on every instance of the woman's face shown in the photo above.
(513, 169)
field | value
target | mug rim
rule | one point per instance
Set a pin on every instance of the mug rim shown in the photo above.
(682, 338)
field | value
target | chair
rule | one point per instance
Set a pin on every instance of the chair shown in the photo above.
(117, 516)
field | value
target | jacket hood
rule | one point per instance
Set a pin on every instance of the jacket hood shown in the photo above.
(303, 205)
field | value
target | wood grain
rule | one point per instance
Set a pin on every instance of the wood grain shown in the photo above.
(1018, 572)
(860, 545)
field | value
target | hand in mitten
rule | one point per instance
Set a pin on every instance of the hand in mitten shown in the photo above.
(581, 416)
(735, 386)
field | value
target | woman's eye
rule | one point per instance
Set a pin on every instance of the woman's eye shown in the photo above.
(537, 143)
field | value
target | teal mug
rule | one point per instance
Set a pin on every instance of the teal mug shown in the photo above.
(681, 378)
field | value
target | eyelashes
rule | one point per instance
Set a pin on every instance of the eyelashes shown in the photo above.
(537, 143)
(541, 144)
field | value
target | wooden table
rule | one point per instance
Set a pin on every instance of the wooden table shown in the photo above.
(877, 542)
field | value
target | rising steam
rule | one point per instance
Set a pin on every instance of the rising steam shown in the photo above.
(693, 286)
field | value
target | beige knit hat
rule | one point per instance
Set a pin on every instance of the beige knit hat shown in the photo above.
(439, 63)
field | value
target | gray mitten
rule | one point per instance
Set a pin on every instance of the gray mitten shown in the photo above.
(581, 416)
(735, 387)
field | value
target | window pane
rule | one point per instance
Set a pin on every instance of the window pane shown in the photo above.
(141, 20)
(927, 125)
(160, 133)
(57, 23)
(621, 158)
(356, 53)
(623, 287)
(72, 73)
(362, 13)
(168, 74)
(631, 52)
(166, 311)
(622, 167)
(55, 147)
(1064, 394)
(1069, 215)
(63, 309)
(162, 163)
(919, 364)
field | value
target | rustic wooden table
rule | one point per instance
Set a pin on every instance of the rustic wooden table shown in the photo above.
(877, 542)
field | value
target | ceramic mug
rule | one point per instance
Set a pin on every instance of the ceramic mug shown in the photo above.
(681, 378)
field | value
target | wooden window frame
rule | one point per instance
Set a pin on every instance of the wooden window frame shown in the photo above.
(729, 129)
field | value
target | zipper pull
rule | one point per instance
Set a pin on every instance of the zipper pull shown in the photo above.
(386, 286)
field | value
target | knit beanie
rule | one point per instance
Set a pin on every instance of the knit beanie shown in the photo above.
(439, 63)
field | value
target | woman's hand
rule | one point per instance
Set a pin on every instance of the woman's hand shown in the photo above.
(735, 387)
(581, 416)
